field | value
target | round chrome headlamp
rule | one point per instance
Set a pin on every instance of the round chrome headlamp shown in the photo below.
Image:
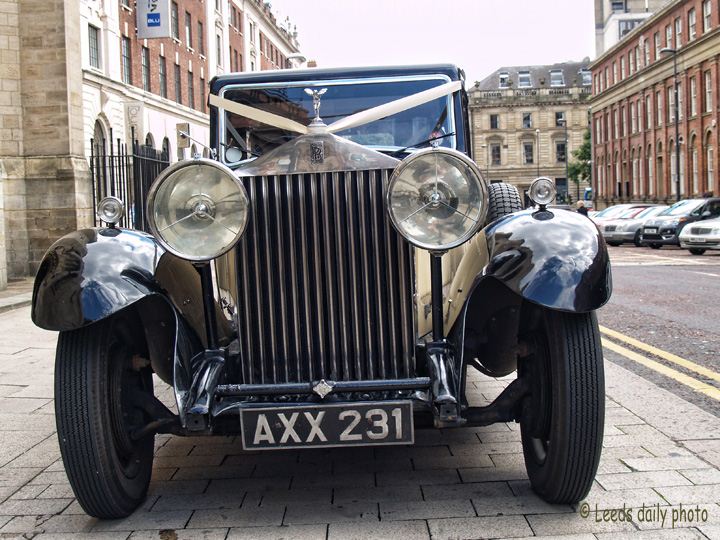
(110, 210)
(542, 191)
(197, 209)
(437, 198)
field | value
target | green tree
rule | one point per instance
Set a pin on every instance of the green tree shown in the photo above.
(579, 166)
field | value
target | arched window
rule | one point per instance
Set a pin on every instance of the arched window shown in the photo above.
(659, 171)
(709, 162)
(166, 149)
(695, 188)
(673, 168)
(193, 151)
(99, 138)
(650, 179)
(149, 140)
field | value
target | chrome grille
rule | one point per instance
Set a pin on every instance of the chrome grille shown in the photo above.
(700, 230)
(610, 228)
(325, 283)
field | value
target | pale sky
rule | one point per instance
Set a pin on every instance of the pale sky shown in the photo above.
(477, 35)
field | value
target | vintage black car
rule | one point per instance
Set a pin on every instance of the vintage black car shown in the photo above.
(327, 279)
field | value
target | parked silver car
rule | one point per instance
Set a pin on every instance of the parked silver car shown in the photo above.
(615, 211)
(699, 237)
(628, 227)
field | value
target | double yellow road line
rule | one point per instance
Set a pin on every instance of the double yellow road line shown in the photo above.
(682, 378)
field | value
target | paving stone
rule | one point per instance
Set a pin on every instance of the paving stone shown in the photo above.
(625, 452)
(188, 461)
(183, 534)
(702, 476)
(16, 443)
(178, 487)
(373, 465)
(209, 473)
(684, 495)
(346, 495)
(14, 404)
(119, 535)
(250, 516)
(660, 534)
(33, 507)
(711, 531)
(513, 447)
(453, 462)
(6, 492)
(292, 532)
(146, 520)
(65, 524)
(57, 491)
(299, 495)
(641, 479)
(363, 479)
(467, 491)
(612, 466)
(683, 516)
(630, 497)
(222, 485)
(707, 445)
(525, 504)
(51, 477)
(269, 470)
(664, 464)
(367, 530)
(479, 527)
(198, 502)
(507, 436)
(557, 524)
(302, 514)
(417, 478)
(30, 491)
(405, 510)
(485, 474)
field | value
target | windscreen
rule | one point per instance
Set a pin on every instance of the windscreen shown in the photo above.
(408, 129)
(682, 208)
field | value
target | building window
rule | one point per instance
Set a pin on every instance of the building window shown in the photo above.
(659, 108)
(494, 121)
(606, 78)
(218, 51)
(625, 27)
(636, 60)
(656, 37)
(495, 154)
(623, 120)
(668, 36)
(670, 105)
(693, 96)
(126, 60)
(178, 84)
(162, 72)
(557, 78)
(648, 112)
(617, 6)
(678, 33)
(633, 118)
(680, 101)
(692, 25)
(201, 37)
(145, 61)
(615, 71)
(586, 77)
(708, 91)
(202, 94)
(622, 68)
(710, 169)
(631, 63)
(528, 153)
(188, 30)
(190, 90)
(559, 118)
(251, 24)
(524, 79)
(646, 46)
(616, 124)
(560, 153)
(695, 175)
(174, 23)
(707, 9)
(94, 46)
(527, 120)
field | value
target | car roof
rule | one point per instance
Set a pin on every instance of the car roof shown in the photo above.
(314, 74)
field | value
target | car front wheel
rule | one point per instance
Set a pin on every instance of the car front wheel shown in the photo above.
(98, 376)
(562, 417)
(697, 251)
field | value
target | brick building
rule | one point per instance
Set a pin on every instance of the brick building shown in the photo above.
(528, 120)
(74, 71)
(633, 107)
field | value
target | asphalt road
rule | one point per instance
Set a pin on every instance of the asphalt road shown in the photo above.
(670, 300)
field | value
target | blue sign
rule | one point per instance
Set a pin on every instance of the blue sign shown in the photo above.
(153, 19)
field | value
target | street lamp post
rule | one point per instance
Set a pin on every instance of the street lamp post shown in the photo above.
(537, 144)
(668, 50)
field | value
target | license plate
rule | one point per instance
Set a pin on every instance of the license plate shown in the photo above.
(319, 426)
(651, 231)
(697, 240)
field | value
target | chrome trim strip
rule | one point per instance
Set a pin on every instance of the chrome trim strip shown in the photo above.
(377, 214)
(269, 272)
(280, 218)
(290, 192)
(351, 181)
(318, 273)
(330, 270)
(367, 307)
(258, 286)
(340, 227)
(392, 279)
(306, 278)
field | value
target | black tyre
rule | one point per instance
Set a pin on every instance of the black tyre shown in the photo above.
(562, 418)
(504, 199)
(655, 246)
(637, 239)
(96, 385)
(614, 244)
(697, 251)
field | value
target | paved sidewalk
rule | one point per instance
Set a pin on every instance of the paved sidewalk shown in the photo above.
(660, 451)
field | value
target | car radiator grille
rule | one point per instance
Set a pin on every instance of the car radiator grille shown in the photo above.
(610, 228)
(700, 230)
(325, 282)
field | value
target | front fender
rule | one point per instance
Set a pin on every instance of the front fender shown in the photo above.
(91, 274)
(557, 259)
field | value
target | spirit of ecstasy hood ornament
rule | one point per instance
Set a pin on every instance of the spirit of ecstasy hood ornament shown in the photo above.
(317, 121)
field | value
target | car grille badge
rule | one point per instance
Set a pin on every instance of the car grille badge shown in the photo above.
(323, 388)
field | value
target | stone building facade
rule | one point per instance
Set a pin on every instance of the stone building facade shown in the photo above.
(633, 107)
(75, 71)
(528, 120)
(614, 19)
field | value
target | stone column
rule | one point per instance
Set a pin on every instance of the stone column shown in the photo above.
(47, 188)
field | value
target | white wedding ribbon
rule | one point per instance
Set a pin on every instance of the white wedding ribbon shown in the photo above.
(354, 120)
(394, 107)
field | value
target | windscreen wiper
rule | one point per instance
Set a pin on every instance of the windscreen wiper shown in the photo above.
(422, 143)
